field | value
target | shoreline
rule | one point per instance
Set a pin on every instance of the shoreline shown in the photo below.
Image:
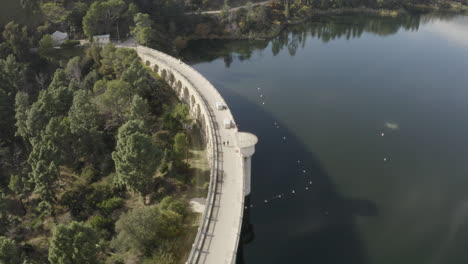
(277, 28)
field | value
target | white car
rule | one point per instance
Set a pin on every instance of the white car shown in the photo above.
(227, 123)
(220, 106)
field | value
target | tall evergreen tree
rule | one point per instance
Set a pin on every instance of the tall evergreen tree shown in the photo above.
(73, 243)
(135, 157)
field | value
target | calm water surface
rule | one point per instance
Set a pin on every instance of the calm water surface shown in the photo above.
(328, 90)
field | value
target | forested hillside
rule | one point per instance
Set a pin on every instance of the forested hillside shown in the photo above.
(168, 24)
(93, 157)
(94, 154)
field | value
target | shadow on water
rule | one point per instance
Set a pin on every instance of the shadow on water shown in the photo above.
(320, 221)
(314, 225)
(326, 28)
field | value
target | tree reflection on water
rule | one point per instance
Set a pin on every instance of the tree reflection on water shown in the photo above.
(326, 29)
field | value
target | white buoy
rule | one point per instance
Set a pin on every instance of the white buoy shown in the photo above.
(263, 103)
(382, 134)
(307, 188)
(261, 95)
(298, 161)
(258, 88)
(310, 182)
(284, 138)
(303, 171)
(293, 191)
(384, 159)
(266, 201)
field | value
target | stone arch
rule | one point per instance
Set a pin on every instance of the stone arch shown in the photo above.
(202, 124)
(192, 101)
(156, 68)
(186, 95)
(178, 90)
(178, 86)
(171, 78)
(148, 63)
(164, 74)
(197, 111)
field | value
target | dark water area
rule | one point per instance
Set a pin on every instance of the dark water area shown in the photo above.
(363, 129)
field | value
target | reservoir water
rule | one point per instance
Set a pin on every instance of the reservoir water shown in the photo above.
(363, 129)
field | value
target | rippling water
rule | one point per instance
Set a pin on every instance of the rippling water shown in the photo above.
(371, 116)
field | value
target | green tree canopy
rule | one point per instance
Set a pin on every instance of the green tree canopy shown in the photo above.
(75, 18)
(139, 110)
(83, 115)
(174, 120)
(12, 80)
(52, 102)
(143, 31)
(74, 68)
(115, 101)
(138, 77)
(148, 229)
(9, 253)
(46, 47)
(21, 114)
(59, 134)
(103, 17)
(84, 125)
(180, 146)
(135, 157)
(17, 39)
(44, 176)
(51, 148)
(73, 243)
(115, 61)
(54, 12)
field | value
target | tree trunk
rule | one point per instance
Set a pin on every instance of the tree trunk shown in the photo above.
(22, 204)
(118, 30)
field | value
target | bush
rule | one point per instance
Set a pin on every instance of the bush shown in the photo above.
(109, 205)
(70, 43)
(148, 229)
(88, 174)
(8, 251)
(138, 229)
(83, 200)
(73, 243)
(100, 223)
(75, 201)
(171, 204)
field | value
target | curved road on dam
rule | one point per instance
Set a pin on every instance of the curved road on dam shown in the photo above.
(219, 233)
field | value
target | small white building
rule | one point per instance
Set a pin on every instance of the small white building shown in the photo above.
(59, 37)
(101, 39)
